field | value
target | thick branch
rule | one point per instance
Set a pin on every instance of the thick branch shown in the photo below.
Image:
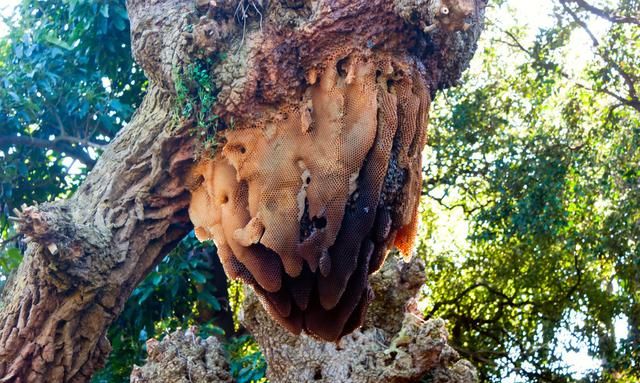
(395, 345)
(85, 255)
(59, 144)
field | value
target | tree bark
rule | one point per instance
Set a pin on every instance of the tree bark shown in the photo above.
(183, 357)
(86, 254)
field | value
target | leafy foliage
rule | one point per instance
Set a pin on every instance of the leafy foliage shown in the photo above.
(537, 158)
(68, 84)
(247, 363)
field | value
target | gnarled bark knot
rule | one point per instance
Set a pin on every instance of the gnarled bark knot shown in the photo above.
(322, 176)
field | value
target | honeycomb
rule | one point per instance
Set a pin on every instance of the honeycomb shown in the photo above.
(305, 203)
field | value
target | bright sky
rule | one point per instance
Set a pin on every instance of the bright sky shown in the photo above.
(532, 14)
(6, 6)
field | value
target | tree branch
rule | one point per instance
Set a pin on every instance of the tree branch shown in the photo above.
(5, 242)
(60, 144)
(633, 100)
(64, 136)
(507, 300)
(604, 13)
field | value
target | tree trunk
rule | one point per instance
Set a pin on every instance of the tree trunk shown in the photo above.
(86, 254)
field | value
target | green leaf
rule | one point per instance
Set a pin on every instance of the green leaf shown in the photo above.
(145, 295)
(198, 277)
(209, 299)
(13, 254)
(7, 190)
(120, 23)
(104, 10)
(156, 279)
(57, 42)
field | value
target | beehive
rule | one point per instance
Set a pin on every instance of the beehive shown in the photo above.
(304, 204)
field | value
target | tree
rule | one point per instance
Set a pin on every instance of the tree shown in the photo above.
(500, 161)
(538, 160)
(86, 254)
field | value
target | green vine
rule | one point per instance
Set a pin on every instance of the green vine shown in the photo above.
(195, 97)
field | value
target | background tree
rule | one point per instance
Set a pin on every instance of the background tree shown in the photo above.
(68, 84)
(536, 158)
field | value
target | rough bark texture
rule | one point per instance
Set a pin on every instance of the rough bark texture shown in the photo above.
(86, 254)
(183, 357)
